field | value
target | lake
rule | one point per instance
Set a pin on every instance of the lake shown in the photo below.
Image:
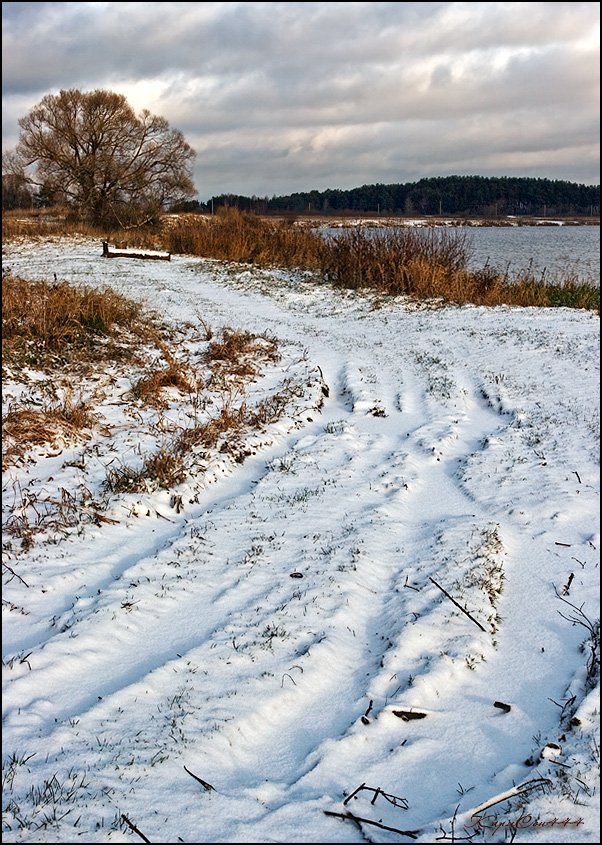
(559, 252)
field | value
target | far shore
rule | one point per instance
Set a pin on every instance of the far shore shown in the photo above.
(374, 220)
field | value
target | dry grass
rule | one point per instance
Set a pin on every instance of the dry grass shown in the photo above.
(230, 420)
(236, 236)
(149, 388)
(424, 263)
(432, 264)
(238, 353)
(55, 424)
(188, 414)
(44, 222)
(162, 469)
(44, 324)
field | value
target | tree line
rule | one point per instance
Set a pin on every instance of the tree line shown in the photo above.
(445, 195)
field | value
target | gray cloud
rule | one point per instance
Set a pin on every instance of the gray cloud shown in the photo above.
(282, 97)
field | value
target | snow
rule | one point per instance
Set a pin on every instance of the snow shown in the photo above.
(261, 638)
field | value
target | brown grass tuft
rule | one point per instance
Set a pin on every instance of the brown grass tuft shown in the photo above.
(149, 387)
(45, 323)
(25, 427)
(237, 352)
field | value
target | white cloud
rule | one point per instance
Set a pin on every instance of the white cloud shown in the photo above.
(348, 82)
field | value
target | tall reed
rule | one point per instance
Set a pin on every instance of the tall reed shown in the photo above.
(425, 263)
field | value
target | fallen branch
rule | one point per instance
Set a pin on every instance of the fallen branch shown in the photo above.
(445, 593)
(134, 828)
(392, 799)
(203, 783)
(14, 574)
(413, 834)
(355, 791)
(511, 793)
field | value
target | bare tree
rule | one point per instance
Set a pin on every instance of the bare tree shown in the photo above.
(112, 166)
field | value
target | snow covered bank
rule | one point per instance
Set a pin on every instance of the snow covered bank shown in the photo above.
(265, 637)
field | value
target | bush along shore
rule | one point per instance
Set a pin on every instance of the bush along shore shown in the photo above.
(419, 262)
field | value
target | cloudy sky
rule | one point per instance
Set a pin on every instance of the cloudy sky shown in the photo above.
(284, 97)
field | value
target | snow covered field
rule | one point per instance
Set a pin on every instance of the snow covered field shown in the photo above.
(414, 544)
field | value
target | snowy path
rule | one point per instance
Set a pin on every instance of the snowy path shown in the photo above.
(247, 638)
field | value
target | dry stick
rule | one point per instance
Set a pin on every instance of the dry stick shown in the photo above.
(392, 799)
(516, 790)
(413, 834)
(582, 565)
(134, 828)
(355, 791)
(203, 783)
(472, 619)
(567, 586)
(16, 574)
(376, 794)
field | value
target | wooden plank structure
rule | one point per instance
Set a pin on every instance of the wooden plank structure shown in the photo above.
(109, 251)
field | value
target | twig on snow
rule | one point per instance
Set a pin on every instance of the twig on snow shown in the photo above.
(413, 834)
(516, 790)
(567, 586)
(134, 828)
(203, 783)
(392, 799)
(14, 574)
(445, 593)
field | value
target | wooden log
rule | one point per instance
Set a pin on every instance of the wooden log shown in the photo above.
(109, 251)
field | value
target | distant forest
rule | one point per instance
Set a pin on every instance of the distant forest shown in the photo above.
(449, 195)
(457, 196)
